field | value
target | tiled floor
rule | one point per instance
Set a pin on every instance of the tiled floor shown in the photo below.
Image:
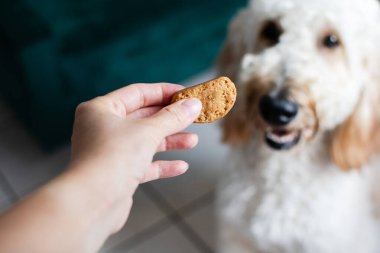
(175, 215)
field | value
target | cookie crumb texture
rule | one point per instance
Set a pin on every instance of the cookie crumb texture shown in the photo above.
(218, 96)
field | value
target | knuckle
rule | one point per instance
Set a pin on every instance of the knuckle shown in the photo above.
(88, 106)
(82, 108)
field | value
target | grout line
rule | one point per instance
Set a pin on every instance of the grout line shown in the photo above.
(196, 204)
(144, 235)
(177, 219)
(162, 224)
(8, 189)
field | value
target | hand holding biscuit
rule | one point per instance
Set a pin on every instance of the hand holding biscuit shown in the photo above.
(125, 128)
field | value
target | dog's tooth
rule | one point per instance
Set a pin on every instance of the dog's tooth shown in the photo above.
(282, 139)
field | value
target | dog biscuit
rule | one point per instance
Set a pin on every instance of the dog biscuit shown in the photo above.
(218, 96)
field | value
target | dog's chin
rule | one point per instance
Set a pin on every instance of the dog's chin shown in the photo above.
(282, 139)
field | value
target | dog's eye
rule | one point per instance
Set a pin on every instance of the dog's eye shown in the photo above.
(271, 33)
(331, 41)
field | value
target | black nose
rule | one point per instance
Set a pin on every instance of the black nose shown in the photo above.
(277, 111)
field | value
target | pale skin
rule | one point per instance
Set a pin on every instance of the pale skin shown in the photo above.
(114, 140)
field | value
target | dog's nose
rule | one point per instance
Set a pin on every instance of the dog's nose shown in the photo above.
(277, 111)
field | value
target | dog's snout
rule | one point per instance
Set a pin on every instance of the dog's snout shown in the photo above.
(277, 111)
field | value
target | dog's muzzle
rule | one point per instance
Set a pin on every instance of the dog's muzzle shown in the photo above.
(278, 113)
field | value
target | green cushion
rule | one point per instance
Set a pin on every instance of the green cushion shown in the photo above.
(58, 53)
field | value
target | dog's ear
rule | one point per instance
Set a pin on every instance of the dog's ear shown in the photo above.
(356, 140)
(236, 128)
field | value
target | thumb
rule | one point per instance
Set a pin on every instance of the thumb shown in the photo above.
(176, 117)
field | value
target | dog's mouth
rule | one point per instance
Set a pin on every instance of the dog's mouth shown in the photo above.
(282, 139)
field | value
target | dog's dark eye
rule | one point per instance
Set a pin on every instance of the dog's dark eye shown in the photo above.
(271, 33)
(331, 41)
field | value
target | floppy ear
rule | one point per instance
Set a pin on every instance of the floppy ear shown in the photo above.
(236, 128)
(356, 140)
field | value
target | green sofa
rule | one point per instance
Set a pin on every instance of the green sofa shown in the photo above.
(55, 54)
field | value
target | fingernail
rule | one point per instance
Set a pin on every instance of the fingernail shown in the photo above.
(193, 106)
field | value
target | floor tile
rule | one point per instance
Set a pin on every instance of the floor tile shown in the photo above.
(206, 163)
(203, 222)
(143, 215)
(169, 241)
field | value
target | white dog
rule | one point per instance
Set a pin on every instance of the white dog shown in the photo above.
(305, 128)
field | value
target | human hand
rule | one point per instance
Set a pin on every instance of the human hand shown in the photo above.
(116, 136)
(124, 129)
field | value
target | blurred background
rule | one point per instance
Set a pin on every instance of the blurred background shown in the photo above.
(55, 54)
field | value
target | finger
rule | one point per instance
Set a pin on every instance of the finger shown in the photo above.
(144, 112)
(165, 169)
(174, 118)
(135, 96)
(179, 141)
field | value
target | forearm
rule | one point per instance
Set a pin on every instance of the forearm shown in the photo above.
(74, 213)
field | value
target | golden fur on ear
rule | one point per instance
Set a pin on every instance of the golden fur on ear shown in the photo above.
(236, 128)
(355, 141)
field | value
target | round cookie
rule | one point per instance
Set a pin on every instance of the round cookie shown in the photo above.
(218, 96)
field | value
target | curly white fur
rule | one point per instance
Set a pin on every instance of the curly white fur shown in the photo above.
(300, 201)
